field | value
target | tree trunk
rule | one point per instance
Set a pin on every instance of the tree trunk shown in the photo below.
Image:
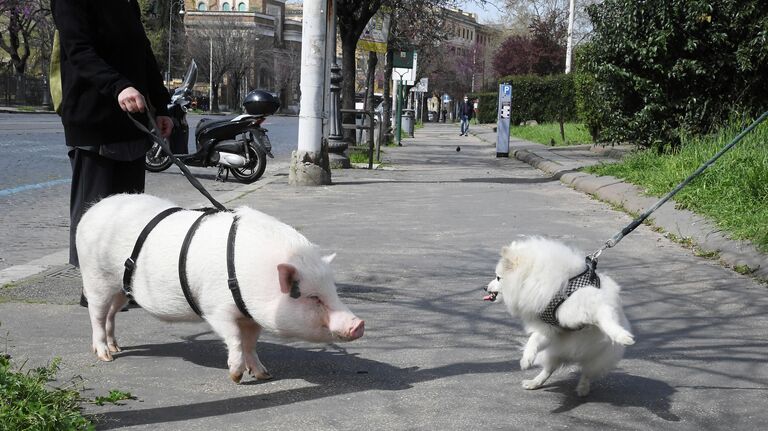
(349, 76)
(387, 124)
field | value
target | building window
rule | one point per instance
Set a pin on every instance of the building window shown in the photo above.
(202, 6)
(241, 7)
(225, 7)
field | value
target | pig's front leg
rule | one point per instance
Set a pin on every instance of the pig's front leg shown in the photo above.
(229, 330)
(250, 332)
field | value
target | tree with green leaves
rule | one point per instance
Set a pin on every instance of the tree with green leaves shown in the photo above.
(666, 67)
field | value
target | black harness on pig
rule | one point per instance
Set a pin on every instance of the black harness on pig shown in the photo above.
(234, 286)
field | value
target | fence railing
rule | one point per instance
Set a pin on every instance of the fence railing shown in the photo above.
(17, 90)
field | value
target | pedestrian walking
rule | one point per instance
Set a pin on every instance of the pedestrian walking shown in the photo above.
(466, 111)
(106, 66)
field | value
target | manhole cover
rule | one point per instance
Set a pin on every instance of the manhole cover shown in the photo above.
(67, 272)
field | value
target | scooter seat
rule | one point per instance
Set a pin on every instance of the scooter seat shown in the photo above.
(209, 123)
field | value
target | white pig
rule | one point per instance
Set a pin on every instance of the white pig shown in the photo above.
(269, 257)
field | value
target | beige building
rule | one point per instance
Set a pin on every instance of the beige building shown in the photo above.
(473, 41)
(268, 36)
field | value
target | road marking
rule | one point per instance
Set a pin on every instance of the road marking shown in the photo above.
(14, 190)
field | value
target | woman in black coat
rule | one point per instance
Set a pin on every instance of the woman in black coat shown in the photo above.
(107, 68)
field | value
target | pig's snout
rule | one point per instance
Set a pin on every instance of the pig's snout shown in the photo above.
(351, 330)
(357, 330)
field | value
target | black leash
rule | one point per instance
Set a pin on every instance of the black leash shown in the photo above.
(154, 134)
(641, 218)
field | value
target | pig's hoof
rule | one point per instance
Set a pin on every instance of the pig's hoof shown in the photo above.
(114, 348)
(236, 377)
(102, 353)
(263, 376)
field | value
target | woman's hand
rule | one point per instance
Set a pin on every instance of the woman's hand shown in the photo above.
(131, 100)
(165, 124)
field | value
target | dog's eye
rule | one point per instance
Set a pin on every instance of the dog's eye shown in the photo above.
(498, 278)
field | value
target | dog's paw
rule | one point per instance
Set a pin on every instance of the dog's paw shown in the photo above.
(526, 362)
(531, 384)
(625, 339)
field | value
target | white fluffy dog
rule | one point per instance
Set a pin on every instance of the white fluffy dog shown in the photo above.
(592, 329)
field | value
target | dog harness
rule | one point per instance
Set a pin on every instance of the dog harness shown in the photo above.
(587, 278)
(234, 286)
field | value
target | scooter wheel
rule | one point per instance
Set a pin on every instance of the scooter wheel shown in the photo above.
(156, 164)
(255, 169)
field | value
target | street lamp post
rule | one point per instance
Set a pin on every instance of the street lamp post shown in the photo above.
(399, 110)
(170, 35)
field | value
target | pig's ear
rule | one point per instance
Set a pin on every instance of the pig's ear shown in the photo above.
(287, 274)
(328, 259)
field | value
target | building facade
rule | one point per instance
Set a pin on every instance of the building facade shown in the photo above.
(258, 41)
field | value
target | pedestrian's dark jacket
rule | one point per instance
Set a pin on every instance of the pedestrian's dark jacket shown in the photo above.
(467, 108)
(104, 50)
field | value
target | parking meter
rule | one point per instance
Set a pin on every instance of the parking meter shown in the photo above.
(502, 120)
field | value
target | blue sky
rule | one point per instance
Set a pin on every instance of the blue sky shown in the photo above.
(487, 14)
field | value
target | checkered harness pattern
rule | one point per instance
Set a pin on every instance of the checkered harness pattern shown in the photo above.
(587, 278)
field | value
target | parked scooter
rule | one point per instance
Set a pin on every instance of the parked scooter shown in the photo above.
(238, 145)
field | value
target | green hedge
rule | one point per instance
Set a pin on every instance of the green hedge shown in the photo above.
(488, 106)
(540, 98)
(667, 68)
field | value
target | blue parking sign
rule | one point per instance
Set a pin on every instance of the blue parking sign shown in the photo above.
(507, 90)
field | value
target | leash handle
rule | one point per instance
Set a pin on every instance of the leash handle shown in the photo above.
(154, 134)
(641, 218)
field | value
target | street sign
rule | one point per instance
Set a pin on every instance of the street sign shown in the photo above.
(403, 59)
(408, 75)
(503, 118)
(422, 86)
(374, 37)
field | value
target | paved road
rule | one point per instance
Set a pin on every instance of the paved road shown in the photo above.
(415, 245)
(35, 177)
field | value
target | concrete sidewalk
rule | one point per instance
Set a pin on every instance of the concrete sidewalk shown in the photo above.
(563, 163)
(416, 243)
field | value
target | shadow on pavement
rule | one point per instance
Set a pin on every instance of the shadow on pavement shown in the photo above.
(620, 390)
(331, 370)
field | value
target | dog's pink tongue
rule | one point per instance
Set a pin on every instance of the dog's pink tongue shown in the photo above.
(488, 298)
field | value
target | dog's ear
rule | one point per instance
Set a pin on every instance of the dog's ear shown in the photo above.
(510, 259)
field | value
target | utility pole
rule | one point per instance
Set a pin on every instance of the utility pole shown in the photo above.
(210, 79)
(569, 48)
(309, 163)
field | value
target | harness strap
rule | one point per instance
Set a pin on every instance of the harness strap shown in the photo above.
(587, 278)
(130, 263)
(183, 260)
(234, 287)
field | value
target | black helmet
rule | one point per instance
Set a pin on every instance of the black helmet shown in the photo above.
(260, 102)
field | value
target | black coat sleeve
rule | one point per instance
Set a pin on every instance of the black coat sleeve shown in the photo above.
(72, 23)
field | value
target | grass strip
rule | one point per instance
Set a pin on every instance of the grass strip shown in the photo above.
(549, 134)
(733, 192)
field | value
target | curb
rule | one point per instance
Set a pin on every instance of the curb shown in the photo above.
(681, 223)
(9, 110)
